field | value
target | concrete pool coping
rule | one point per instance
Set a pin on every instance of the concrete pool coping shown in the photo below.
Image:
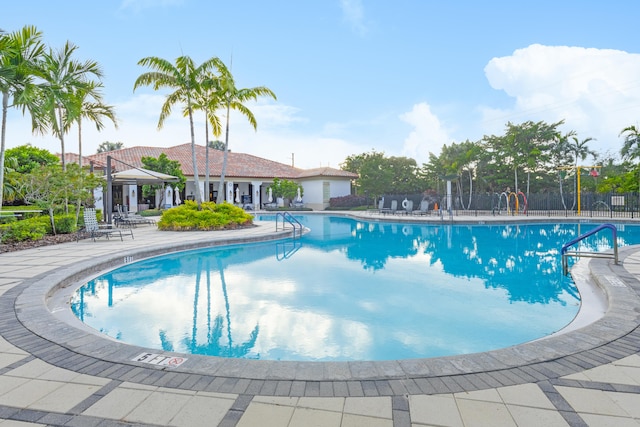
(32, 309)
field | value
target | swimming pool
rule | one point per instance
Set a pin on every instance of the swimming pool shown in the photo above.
(349, 290)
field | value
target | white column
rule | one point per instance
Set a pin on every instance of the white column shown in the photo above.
(229, 196)
(168, 197)
(255, 197)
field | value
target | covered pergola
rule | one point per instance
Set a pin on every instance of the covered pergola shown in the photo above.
(134, 176)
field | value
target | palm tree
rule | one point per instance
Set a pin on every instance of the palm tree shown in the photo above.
(62, 79)
(185, 78)
(19, 53)
(92, 108)
(580, 151)
(208, 100)
(234, 98)
(109, 146)
(631, 147)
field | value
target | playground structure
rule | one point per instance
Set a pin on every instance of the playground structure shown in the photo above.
(517, 207)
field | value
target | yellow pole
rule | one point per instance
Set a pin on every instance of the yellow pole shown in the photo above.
(578, 172)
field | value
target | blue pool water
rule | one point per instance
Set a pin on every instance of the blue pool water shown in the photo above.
(348, 290)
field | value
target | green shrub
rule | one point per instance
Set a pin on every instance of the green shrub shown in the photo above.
(187, 217)
(65, 224)
(150, 212)
(23, 230)
(7, 219)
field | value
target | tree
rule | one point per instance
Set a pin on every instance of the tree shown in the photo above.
(109, 146)
(631, 146)
(374, 177)
(285, 188)
(93, 108)
(19, 53)
(49, 187)
(165, 165)
(28, 157)
(207, 99)
(185, 78)
(234, 98)
(62, 80)
(217, 145)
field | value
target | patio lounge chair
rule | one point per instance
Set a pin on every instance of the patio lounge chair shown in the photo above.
(125, 218)
(94, 229)
(424, 208)
(381, 208)
(394, 207)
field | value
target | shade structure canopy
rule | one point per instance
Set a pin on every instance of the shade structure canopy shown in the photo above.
(141, 176)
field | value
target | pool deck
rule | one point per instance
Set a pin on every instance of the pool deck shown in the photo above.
(53, 371)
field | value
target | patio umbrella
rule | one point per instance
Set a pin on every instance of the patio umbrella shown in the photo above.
(178, 201)
(299, 197)
(270, 197)
(237, 195)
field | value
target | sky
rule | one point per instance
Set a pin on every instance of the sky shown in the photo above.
(352, 76)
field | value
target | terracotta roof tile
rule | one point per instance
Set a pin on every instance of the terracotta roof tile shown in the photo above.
(239, 165)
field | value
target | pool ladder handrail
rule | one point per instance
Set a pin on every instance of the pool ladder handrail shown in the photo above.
(566, 253)
(286, 216)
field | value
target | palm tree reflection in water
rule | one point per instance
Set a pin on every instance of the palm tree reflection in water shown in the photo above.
(213, 345)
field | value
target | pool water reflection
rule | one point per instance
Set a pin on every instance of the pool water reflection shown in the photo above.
(349, 290)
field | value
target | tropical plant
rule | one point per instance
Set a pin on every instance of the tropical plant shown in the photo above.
(93, 108)
(109, 146)
(19, 53)
(62, 81)
(210, 216)
(285, 188)
(185, 78)
(234, 98)
(28, 157)
(164, 165)
(631, 146)
(207, 99)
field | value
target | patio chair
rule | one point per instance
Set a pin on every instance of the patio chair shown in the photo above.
(131, 220)
(96, 231)
(424, 208)
(381, 208)
(394, 207)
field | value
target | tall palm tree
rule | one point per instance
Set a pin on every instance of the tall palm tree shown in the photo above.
(185, 78)
(208, 100)
(579, 150)
(93, 108)
(234, 98)
(63, 78)
(19, 53)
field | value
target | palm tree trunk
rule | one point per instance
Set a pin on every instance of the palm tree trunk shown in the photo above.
(5, 107)
(224, 158)
(61, 135)
(196, 179)
(206, 154)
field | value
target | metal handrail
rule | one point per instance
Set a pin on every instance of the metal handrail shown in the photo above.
(566, 254)
(286, 216)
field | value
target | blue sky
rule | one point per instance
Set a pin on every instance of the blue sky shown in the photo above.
(401, 77)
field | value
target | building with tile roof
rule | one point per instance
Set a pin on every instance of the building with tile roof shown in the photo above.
(247, 177)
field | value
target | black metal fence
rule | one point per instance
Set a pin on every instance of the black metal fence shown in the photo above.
(596, 205)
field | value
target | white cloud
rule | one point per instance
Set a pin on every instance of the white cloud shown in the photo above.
(353, 13)
(596, 91)
(428, 134)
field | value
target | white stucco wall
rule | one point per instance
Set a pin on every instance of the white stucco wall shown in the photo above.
(317, 192)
